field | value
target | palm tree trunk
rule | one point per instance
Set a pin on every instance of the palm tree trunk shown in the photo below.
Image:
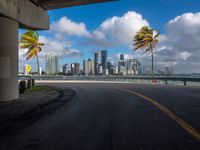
(38, 66)
(152, 60)
(152, 63)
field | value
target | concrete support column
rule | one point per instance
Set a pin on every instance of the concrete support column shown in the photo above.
(8, 59)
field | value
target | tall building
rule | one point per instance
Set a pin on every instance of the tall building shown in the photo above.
(109, 65)
(88, 67)
(100, 70)
(96, 62)
(122, 70)
(121, 65)
(75, 68)
(104, 59)
(52, 65)
(111, 69)
(122, 57)
(133, 67)
(65, 69)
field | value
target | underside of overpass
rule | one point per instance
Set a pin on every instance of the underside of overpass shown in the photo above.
(29, 14)
(55, 4)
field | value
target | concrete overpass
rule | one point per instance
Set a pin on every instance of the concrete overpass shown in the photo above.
(15, 14)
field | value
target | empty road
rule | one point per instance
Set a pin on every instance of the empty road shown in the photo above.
(115, 117)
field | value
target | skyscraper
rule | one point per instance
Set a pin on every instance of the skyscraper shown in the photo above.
(75, 68)
(100, 70)
(52, 66)
(133, 67)
(104, 59)
(88, 67)
(121, 64)
(96, 62)
(65, 68)
(122, 57)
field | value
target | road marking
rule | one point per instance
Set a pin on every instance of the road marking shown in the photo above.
(193, 132)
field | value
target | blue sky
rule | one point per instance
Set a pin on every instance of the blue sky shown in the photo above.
(97, 20)
(158, 12)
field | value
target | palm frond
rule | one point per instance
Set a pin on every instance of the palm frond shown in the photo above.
(41, 44)
(27, 38)
(31, 53)
(25, 45)
(145, 39)
(158, 33)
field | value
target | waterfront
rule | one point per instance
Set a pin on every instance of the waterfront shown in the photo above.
(161, 80)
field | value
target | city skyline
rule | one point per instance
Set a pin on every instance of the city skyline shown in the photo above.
(121, 66)
(100, 63)
(74, 37)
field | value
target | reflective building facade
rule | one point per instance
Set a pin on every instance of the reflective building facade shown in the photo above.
(52, 65)
(104, 59)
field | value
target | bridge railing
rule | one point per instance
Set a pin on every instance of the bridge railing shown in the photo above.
(124, 79)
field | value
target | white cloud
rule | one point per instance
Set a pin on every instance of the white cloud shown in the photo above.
(116, 31)
(69, 27)
(62, 48)
(180, 46)
(183, 32)
(162, 38)
(184, 55)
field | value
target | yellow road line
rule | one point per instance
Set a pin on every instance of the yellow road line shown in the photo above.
(181, 122)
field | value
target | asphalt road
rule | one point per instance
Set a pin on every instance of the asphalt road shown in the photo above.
(105, 117)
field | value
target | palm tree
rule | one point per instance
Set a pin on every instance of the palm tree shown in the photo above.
(145, 39)
(30, 40)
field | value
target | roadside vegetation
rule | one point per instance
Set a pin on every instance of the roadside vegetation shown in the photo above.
(41, 88)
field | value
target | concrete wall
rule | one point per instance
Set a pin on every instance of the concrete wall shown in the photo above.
(26, 13)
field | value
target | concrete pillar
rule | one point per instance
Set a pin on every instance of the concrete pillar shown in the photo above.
(8, 59)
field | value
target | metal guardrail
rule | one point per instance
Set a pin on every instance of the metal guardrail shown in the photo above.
(25, 76)
(154, 79)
